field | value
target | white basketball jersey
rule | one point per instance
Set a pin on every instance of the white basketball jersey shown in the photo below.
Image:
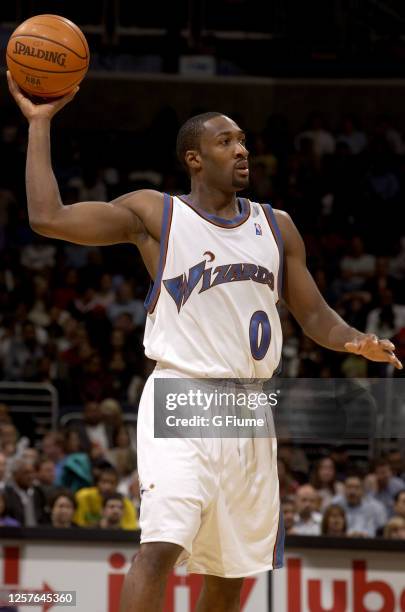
(212, 310)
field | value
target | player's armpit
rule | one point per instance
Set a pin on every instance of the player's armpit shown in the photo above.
(105, 223)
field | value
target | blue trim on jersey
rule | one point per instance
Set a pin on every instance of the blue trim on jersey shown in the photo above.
(244, 208)
(154, 287)
(278, 557)
(280, 244)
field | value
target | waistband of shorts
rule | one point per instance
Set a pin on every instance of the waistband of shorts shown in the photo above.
(162, 371)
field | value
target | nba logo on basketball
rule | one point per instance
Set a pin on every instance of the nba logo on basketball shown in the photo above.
(258, 229)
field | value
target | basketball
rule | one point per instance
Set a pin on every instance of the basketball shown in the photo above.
(48, 56)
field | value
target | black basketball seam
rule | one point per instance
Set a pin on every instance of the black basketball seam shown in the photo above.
(43, 69)
(49, 40)
(65, 21)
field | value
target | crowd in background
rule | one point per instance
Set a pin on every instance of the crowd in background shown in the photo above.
(73, 316)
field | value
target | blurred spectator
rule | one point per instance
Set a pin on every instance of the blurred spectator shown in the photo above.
(358, 266)
(105, 295)
(45, 477)
(397, 262)
(38, 256)
(340, 456)
(334, 521)
(3, 470)
(289, 511)
(76, 471)
(10, 444)
(379, 282)
(113, 512)
(397, 463)
(386, 129)
(388, 319)
(62, 506)
(53, 449)
(288, 485)
(295, 459)
(324, 481)
(395, 529)
(383, 486)
(364, 516)
(90, 186)
(323, 140)
(307, 519)
(25, 502)
(90, 502)
(290, 350)
(24, 355)
(130, 488)
(5, 519)
(92, 430)
(126, 303)
(399, 504)
(355, 139)
(122, 456)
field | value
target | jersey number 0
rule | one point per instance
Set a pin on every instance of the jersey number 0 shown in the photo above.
(259, 334)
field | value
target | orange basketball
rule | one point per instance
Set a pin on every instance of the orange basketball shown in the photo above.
(48, 56)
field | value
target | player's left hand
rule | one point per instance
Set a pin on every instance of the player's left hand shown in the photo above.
(371, 347)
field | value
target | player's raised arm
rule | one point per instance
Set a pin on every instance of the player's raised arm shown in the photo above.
(318, 321)
(89, 223)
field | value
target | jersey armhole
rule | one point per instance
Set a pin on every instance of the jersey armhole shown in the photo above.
(154, 288)
(271, 219)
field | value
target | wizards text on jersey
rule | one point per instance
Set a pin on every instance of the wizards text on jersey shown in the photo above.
(181, 287)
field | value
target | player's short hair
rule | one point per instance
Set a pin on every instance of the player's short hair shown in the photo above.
(189, 134)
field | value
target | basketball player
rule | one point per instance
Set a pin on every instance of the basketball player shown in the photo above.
(217, 263)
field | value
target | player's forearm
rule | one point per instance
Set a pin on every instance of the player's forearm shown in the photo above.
(327, 328)
(43, 195)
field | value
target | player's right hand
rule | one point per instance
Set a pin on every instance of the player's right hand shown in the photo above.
(33, 111)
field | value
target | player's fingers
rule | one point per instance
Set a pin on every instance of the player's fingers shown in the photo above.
(392, 358)
(387, 344)
(352, 347)
(66, 99)
(14, 89)
(11, 84)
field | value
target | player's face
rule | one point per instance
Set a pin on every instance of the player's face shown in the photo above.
(223, 155)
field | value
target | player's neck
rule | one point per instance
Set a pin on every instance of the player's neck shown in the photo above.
(213, 201)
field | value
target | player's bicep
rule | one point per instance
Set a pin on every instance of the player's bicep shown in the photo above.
(93, 223)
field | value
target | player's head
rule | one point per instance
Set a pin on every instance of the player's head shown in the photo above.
(212, 148)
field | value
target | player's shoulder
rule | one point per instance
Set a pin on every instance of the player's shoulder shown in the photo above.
(139, 197)
(288, 230)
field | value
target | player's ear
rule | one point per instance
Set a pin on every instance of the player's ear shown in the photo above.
(193, 159)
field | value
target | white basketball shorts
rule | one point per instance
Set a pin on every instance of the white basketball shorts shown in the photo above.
(218, 498)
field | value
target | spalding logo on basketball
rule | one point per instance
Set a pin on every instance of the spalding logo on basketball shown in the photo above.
(48, 56)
